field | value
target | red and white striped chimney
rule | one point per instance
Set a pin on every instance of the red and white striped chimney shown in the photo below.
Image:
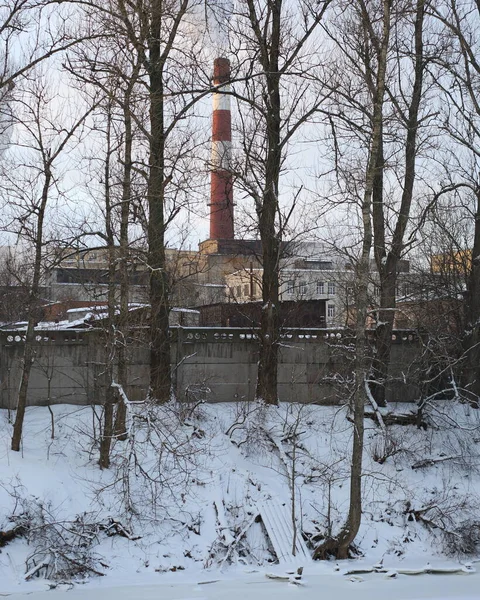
(221, 183)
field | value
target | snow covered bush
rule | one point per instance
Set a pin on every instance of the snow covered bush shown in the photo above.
(61, 550)
(153, 469)
(464, 540)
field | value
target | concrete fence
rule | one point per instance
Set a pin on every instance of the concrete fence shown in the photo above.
(215, 364)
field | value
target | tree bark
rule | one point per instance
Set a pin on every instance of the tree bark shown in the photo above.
(120, 421)
(160, 376)
(110, 395)
(158, 53)
(267, 207)
(29, 352)
(388, 262)
(341, 544)
(472, 316)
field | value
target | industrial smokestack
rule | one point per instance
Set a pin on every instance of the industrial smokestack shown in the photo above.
(221, 184)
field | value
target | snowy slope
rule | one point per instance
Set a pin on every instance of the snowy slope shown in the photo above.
(185, 494)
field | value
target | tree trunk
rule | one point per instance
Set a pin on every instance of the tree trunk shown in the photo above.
(160, 374)
(28, 356)
(472, 316)
(110, 392)
(381, 358)
(386, 315)
(107, 434)
(269, 325)
(120, 422)
(267, 207)
(28, 353)
(341, 544)
(388, 262)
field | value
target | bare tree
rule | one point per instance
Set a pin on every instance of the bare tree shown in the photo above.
(110, 392)
(459, 86)
(32, 31)
(152, 32)
(44, 139)
(340, 544)
(388, 252)
(280, 95)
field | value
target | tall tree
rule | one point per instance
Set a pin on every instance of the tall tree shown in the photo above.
(159, 58)
(163, 27)
(276, 43)
(459, 86)
(43, 138)
(110, 346)
(388, 252)
(361, 23)
(358, 39)
(109, 68)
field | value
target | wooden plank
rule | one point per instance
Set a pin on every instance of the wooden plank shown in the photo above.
(278, 522)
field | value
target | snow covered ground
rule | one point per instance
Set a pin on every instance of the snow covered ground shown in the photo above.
(319, 583)
(179, 514)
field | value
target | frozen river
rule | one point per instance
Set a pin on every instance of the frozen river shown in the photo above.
(318, 585)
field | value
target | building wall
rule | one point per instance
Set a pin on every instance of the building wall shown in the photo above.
(217, 364)
(87, 292)
(297, 284)
(334, 286)
(298, 314)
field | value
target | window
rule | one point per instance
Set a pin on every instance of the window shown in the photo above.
(246, 289)
(239, 291)
(325, 265)
(331, 311)
(331, 288)
(290, 287)
(320, 288)
(302, 288)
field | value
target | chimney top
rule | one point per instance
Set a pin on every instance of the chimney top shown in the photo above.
(221, 70)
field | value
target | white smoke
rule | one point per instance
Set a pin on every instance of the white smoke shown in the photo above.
(219, 13)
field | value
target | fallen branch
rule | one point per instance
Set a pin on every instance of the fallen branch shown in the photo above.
(33, 571)
(398, 419)
(376, 410)
(427, 570)
(428, 462)
(80, 565)
(237, 539)
(114, 527)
